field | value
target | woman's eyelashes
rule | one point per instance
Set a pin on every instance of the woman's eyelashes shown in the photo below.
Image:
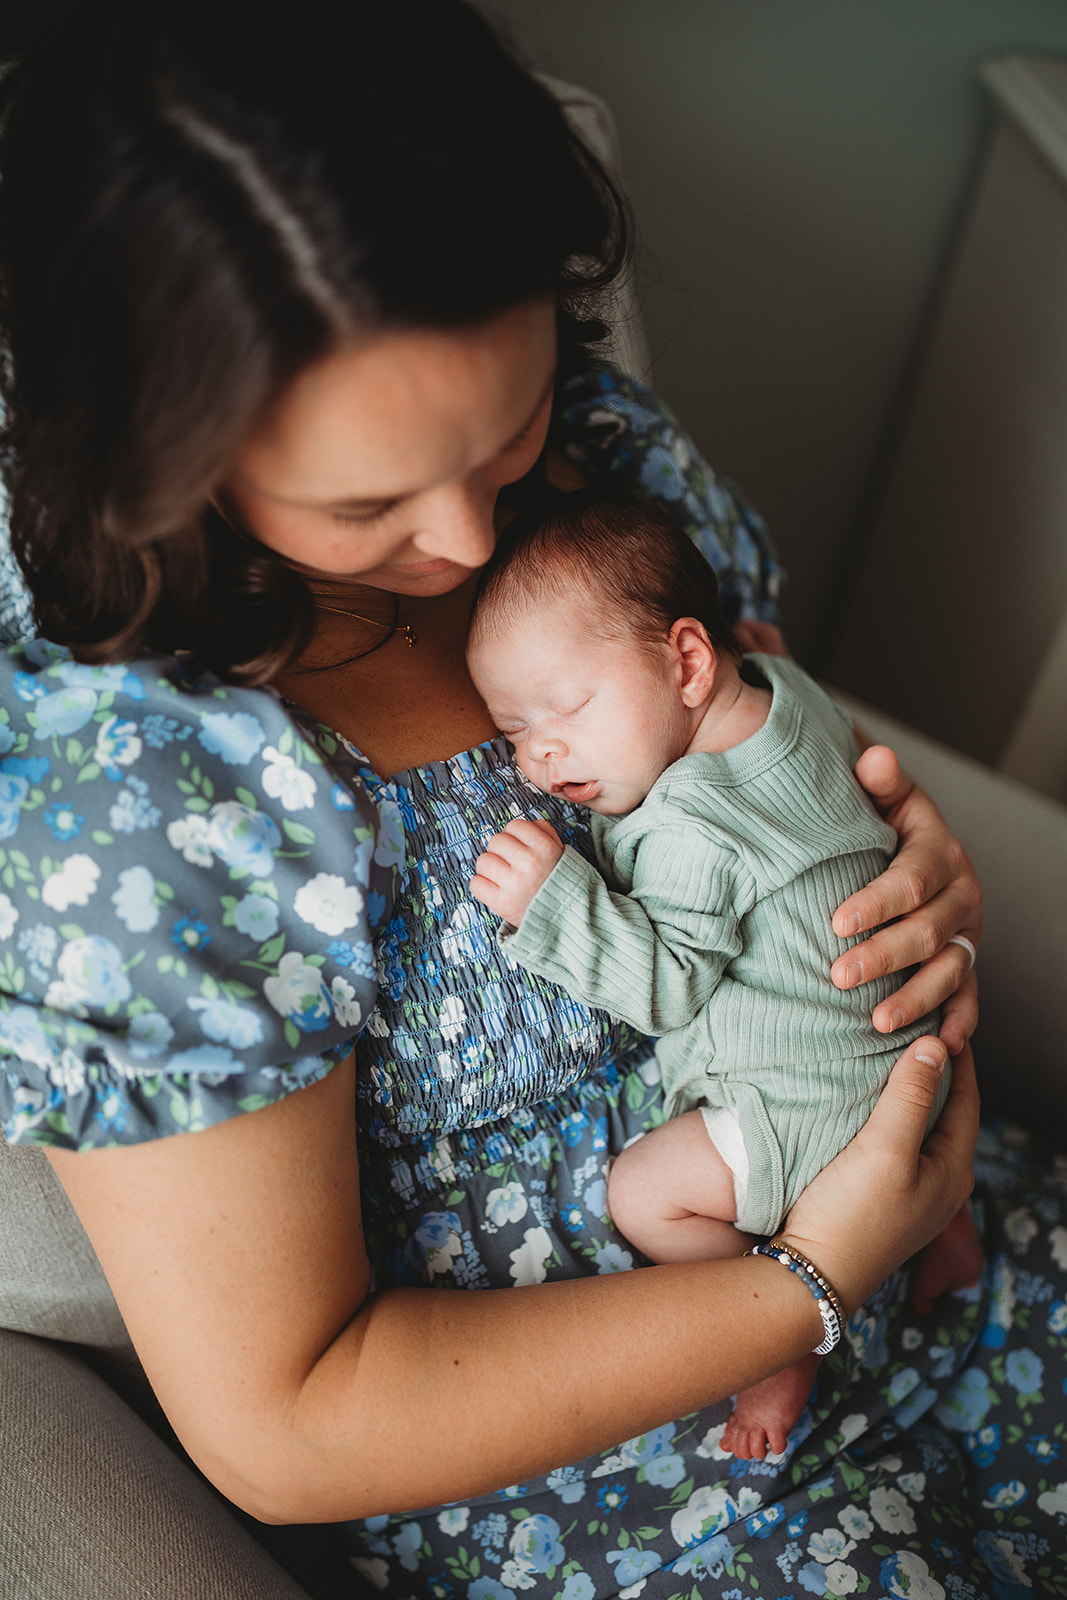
(362, 519)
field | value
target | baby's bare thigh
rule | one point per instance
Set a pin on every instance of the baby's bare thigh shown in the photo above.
(676, 1171)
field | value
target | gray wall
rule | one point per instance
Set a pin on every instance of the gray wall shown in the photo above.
(796, 170)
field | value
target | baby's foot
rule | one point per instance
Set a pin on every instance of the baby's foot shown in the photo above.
(951, 1261)
(764, 1415)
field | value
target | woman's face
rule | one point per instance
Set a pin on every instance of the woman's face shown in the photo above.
(383, 461)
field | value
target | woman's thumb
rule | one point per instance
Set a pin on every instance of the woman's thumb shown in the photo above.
(904, 1106)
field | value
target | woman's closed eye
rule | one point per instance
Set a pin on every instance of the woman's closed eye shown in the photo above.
(361, 519)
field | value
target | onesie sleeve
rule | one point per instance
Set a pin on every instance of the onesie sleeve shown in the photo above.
(653, 956)
(619, 434)
(189, 886)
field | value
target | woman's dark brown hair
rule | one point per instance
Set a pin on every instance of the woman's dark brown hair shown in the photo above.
(198, 198)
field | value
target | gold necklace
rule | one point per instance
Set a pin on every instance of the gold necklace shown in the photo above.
(396, 626)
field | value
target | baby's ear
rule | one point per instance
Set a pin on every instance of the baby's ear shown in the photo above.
(696, 658)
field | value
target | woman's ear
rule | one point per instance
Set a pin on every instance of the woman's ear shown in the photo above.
(695, 655)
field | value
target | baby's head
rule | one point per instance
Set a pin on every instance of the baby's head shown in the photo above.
(597, 643)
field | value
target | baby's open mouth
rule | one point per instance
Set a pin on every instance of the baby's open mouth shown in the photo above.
(581, 793)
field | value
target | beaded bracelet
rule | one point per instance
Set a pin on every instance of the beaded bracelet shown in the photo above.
(833, 1317)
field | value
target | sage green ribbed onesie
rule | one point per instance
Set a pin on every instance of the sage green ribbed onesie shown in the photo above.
(709, 924)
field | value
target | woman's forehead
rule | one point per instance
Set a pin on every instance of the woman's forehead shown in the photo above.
(403, 410)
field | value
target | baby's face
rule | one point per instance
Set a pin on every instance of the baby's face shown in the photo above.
(592, 719)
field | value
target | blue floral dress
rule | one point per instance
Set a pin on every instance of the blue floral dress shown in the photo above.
(190, 881)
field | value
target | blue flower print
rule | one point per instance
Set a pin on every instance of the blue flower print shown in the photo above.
(21, 1034)
(342, 798)
(1001, 1304)
(90, 970)
(244, 839)
(1043, 1448)
(1024, 1371)
(1005, 1495)
(569, 1484)
(579, 1586)
(234, 736)
(965, 1405)
(1057, 1317)
(62, 821)
(999, 1555)
(257, 917)
(491, 1532)
(535, 1543)
(132, 809)
(134, 900)
(613, 1258)
(633, 1565)
(149, 1035)
(489, 1589)
(189, 933)
(573, 1127)
(39, 945)
(13, 791)
(812, 1577)
(227, 1023)
(113, 679)
(612, 1497)
(983, 1445)
(159, 731)
(206, 1060)
(60, 714)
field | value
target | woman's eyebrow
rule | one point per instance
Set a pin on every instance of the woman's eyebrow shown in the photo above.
(354, 504)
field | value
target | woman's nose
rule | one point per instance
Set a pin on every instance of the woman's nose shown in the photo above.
(459, 525)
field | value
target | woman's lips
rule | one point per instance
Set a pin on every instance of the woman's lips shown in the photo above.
(427, 566)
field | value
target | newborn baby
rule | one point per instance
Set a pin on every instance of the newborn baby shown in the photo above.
(728, 828)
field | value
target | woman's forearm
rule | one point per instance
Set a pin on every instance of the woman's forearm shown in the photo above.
(435, 1396)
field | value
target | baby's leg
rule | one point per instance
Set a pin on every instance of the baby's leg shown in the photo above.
(672, 1195)
(951, 1261)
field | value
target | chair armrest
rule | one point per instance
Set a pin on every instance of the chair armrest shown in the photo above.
(1018, 842)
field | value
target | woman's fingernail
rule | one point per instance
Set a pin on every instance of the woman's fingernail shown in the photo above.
(852, 925)
(897, 1020)
(854, 973)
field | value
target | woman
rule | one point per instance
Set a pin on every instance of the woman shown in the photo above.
(286, 318)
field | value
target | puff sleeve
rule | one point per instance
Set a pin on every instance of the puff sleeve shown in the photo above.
(190, 882)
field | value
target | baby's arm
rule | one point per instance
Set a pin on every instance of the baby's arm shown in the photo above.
(652, 957)
(515, 865)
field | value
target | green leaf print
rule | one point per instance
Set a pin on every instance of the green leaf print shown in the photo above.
(89, 773)
(246, 797)
(298, 832)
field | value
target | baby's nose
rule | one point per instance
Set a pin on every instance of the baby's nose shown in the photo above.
(548, 746)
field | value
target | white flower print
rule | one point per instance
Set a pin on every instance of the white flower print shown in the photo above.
(891, 1511)
(299, 994)
(191, 836)
(856, 1523)
(328, 903)
(454, 1521)
(287, 782)
(452, 1019)
(1021, 1227)
(853, 1427)
(68, 1073)
(73, 885)
(708, 1509)
(8, 917)
(841, 1578)
(708, 1448)
(346, 1008)
(913, 1484)
(911, 1578)
(1058, 1245)
(117, 745)
(505, 1205)
(529, 1261)
(517, 1575)
(1054, 1501)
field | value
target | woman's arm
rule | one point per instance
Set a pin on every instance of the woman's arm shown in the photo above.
(237, 1258)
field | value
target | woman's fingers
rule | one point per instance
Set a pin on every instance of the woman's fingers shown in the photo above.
(959, 1016)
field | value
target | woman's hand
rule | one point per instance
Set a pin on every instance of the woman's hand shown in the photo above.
(931, 887)
(888, 1193)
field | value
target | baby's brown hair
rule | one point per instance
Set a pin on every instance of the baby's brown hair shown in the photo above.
(639, 570)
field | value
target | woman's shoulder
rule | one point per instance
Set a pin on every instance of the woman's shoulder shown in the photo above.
(618, 432)
(189, 884)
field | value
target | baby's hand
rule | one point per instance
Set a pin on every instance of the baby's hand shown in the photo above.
(514, 866)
